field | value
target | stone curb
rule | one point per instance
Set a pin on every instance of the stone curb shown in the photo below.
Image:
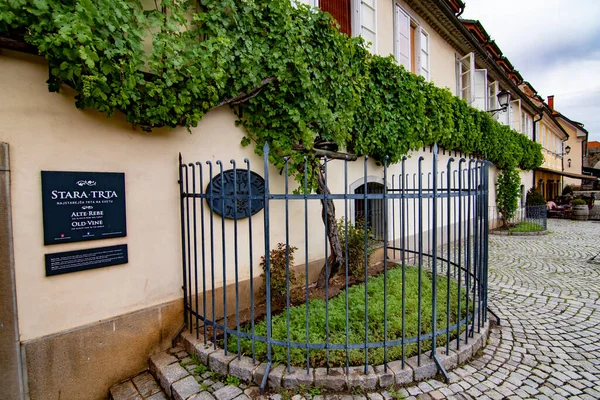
(506, 233)
(246, 370)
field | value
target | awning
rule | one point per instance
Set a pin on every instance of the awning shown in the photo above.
(568, 174)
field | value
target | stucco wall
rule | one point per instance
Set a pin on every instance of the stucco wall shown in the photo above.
(46, 132)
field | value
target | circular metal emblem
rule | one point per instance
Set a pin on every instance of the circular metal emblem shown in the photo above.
(231, 197)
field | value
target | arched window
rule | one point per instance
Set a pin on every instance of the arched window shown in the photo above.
(370, 210)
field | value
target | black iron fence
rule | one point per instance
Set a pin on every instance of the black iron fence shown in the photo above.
(527, 218)
(414, 273)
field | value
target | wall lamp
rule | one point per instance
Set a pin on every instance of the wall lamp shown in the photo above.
(569, 163)
(503, 100)
(567, 151)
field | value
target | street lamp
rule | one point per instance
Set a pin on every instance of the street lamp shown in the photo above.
(503, 100)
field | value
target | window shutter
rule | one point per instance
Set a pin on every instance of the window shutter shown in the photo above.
(493, 96)
(423, 53)
(480, 89)
(340, 11)
(402, 40)
(367, 22)
(466, 78)
(515, 111)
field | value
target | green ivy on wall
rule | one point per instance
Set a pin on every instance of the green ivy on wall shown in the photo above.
(289, 74)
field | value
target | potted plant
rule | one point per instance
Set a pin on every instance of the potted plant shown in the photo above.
(581, 211)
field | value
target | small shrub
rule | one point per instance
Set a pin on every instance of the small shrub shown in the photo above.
(232, 381)
(579, 202)
(356, 247)
(567, 190)
(508, 191)
(278, 263)
(534, 198)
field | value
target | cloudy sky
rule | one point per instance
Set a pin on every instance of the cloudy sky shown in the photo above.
(555, 45)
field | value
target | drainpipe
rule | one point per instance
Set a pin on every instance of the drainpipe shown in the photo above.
(540, 115)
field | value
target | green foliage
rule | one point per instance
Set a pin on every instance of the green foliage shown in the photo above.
(579, 202)
(319, 82)
(281, 259)
(567, 190)
(534, 198)
(200, 369)
(527, 226)
(508, 191)
(232, 380)
(356, 246)
(356, 317)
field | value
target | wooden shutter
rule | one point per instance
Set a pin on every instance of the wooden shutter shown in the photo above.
(515, 115)
(402, 38)
(423, 54)
(340, 11)
(480, 89)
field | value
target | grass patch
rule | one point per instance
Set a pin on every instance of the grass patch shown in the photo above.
(356, 317)
(526, 227)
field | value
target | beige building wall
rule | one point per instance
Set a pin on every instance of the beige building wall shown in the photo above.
(575, 155)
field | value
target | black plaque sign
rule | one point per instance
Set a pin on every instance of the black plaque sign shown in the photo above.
(81, 206)
(231, 192)
(79, 260)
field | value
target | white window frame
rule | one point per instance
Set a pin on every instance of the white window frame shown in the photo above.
(311, 3)
(423, 63)
(399, 36)
(480, 100)
(466, 67)
(357, 21)
(515, 115)
(493, 89)
(402, 19)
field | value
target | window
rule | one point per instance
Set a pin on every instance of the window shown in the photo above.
(366, 25)
(472, 84)
(411, 44)
(465, 80)
(543, 136)
(356, 17)
(493, 89)
(480, 90)
(526, 124)
(515, 115)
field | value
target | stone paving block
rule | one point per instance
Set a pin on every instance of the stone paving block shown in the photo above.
(356, 378)
(203, 351)
(185, 388)
(465, 352)
(276, 376)
(426, 370)
(157, 396)
(448, 361)
(123, 391)
(385, 378)
(203, 396)
(335, 380)
(402, 376)
(242, 368)
(227, 393)
(146, 384)
(219, 362)
(298, 377)
(259, 373)
(160, 360)
(170, 374)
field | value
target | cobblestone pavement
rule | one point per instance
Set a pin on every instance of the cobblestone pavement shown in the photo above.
(548, 344)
